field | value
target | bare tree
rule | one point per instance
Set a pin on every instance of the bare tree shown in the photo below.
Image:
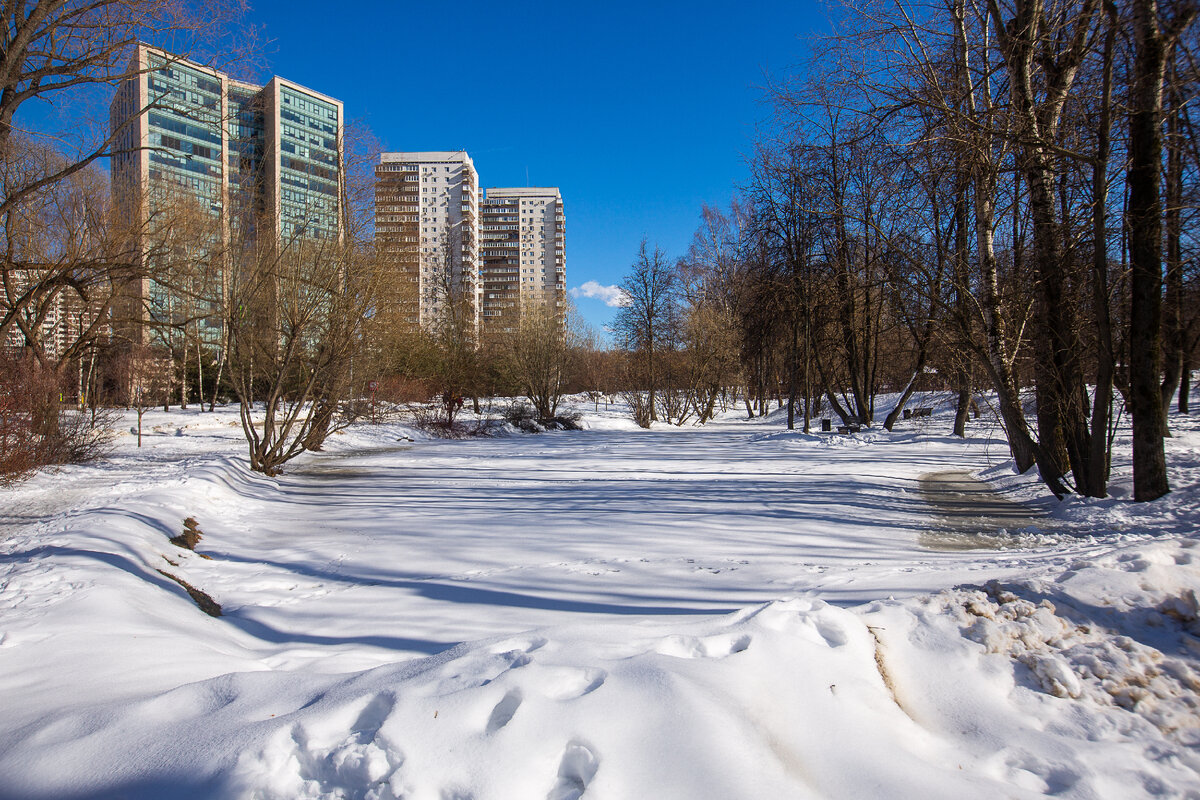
(645, 324)
(709, 335)
(62, 248)
(294, 319)
(454, 327)
(540, 353)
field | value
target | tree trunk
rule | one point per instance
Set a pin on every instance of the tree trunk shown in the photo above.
(1020, 442)
(322, 419)
(199, 369)
(1062, 427)
(183, 376)
(1145, 255)
(791, 400)
(962, 295)
(808, 410)
(1099, 458)
(918, 369)
(212, 406)
(963, 408)
(1185, 384)
(650, 371)
(1173, 333)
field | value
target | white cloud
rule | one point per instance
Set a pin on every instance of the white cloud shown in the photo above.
(611, 295)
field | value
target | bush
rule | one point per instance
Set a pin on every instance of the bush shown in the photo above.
(35, 431)
(639, 407)
(523, 416)
(84, 436)
(564, 422)
(431, 418)
(519, 413)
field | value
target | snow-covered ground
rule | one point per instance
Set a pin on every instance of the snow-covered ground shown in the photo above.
(734, 611)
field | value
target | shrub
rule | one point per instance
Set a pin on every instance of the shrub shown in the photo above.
(639, 407)
(35, 431)
(431, 418)
(523, 416)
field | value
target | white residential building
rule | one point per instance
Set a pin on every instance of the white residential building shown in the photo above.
(427, 225)
(523, 234)
(55, 323)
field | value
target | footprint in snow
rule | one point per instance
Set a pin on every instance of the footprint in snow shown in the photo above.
(555, 683)
(1030, 771)
(503, 713)
(483, 667)
(575, 772)
(567, 683)
(719, 646)
(372, 717)
(521, 644)
(338, 762)
(833, 635)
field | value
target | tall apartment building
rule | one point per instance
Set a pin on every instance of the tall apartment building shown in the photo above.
(523, 234)
(427, 228)
(264, 163)
(54, 322)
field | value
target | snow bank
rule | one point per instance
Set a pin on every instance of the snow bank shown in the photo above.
(1081, 686)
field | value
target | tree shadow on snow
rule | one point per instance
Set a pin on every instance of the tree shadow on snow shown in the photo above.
(462, 593)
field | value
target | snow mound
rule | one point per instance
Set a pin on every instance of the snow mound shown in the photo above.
(1073, 686)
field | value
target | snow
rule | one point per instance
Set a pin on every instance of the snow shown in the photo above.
(732, 611)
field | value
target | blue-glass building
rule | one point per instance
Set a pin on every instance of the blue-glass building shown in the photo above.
(253, 166)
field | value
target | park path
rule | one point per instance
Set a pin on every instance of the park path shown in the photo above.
(969, 514)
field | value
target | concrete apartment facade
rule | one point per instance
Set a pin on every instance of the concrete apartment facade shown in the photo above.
(54, 324)
(440, 239)
(263, 164)
(427, 230)
(523, 232)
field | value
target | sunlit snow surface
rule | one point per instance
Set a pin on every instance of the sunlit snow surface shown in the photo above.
(734, 611)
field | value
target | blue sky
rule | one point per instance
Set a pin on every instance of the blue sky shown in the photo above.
(639, 112)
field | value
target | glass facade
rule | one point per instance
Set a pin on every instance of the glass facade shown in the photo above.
(308, 166)
(246, 137)
(185, 130)
(185, 164)
(254, 161)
